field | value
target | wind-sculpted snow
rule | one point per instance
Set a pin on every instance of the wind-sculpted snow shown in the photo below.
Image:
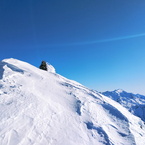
(100, 131)
(3, 65)
(114, 112)
(135, 103)
(50, 68)
(43, 108)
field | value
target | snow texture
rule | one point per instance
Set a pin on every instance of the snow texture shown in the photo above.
(44, 108)
(135, 103)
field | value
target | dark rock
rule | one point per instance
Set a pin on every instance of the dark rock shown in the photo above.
(43, 65)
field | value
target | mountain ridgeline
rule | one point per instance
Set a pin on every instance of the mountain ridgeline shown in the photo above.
(40, 107)
(135, 103)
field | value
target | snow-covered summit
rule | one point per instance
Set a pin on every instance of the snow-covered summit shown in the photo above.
(119, 91)
(43, 108)
(16, 62)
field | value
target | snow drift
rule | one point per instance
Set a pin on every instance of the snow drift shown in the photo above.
(43, 108)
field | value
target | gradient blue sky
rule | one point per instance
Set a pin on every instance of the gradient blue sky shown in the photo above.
(99, 43)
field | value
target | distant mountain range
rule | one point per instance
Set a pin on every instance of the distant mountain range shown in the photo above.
(134, 103)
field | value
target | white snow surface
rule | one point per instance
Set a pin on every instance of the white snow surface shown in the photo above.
(135, 103)
(50, 68)
(43, 108)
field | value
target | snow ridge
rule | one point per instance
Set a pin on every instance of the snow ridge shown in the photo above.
(135, 103)
(44, 108)
(50, 68)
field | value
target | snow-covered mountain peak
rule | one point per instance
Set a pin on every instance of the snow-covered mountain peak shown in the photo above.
(44, 108)
(17, 65)
(15, 62)
(119, 91)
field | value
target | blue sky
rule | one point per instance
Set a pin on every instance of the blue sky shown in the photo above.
(99, 43)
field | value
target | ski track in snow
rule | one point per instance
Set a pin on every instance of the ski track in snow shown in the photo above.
(44, 108)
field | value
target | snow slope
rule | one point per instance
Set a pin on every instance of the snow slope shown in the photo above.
(135, 103)
(43, 108)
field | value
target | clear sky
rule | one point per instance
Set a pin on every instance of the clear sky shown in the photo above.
(99, 43)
